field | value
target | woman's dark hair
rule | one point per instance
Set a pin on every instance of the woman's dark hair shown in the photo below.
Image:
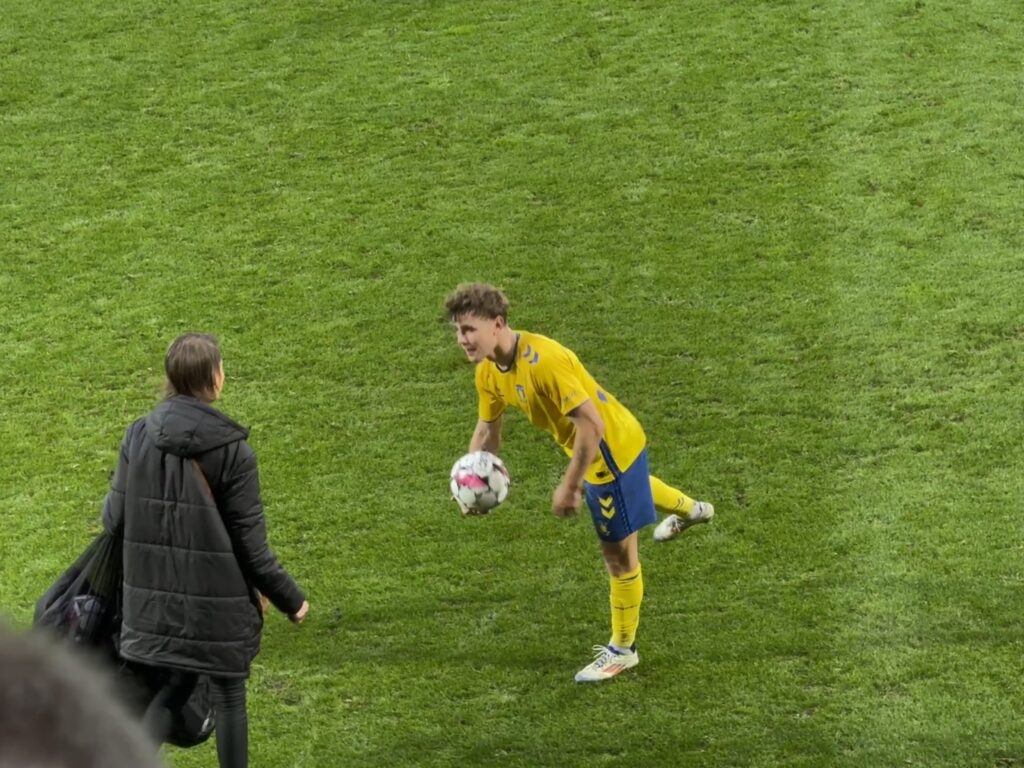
(191, 364)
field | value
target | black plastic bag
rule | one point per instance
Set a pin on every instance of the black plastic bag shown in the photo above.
(84, 606)
(193, 723)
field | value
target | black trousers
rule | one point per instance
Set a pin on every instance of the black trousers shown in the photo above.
(232, 721)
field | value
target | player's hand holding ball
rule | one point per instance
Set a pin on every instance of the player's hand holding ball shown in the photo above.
(479, 482)
(468, 511)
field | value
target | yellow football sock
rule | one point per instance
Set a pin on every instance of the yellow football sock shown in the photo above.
(668, 499)
(627, 592)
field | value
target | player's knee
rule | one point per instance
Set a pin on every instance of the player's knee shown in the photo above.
(620, 560)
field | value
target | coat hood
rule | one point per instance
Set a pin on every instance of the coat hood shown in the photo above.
(188, 427)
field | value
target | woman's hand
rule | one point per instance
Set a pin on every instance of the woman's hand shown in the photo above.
(300, 614)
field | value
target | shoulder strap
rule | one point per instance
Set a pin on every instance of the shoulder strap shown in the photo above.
(202, 476)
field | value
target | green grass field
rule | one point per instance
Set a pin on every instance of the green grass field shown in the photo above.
(787, 235)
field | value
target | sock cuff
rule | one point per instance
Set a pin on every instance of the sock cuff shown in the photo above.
(628, 577)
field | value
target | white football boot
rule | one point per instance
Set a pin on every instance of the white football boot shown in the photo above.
(673, 525)
(607, 663)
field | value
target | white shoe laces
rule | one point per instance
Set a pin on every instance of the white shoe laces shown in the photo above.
(602, 655)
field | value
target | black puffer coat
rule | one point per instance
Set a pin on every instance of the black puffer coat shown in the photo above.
(192, 561)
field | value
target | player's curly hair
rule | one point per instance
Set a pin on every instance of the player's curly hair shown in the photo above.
(480, 299)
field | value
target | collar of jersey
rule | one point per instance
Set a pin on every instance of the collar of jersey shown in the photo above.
(515, 355)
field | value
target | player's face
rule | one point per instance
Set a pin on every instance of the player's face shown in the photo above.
(478, 336)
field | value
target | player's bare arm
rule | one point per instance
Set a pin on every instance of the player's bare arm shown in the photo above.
(589, 432)
(486, 436)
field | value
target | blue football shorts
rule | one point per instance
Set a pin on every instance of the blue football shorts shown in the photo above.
(625, 504)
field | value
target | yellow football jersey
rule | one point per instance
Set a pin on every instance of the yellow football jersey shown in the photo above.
(546, 382)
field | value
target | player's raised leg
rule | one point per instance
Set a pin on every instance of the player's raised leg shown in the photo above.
(683, 510)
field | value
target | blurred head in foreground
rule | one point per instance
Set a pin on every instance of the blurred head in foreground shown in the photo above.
(57, 711)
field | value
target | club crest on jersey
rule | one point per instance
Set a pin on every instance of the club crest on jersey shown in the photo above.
(521, 391)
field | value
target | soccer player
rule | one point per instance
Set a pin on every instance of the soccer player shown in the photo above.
(607, 446)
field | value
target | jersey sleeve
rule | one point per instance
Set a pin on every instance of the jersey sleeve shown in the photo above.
(491, 405)
(556, 377)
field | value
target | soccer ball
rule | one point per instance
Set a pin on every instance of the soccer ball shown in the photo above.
(479, 481)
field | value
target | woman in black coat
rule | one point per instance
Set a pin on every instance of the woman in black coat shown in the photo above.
(186, 499)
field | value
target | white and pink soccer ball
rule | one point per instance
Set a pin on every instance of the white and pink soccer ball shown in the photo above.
(479, 481)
